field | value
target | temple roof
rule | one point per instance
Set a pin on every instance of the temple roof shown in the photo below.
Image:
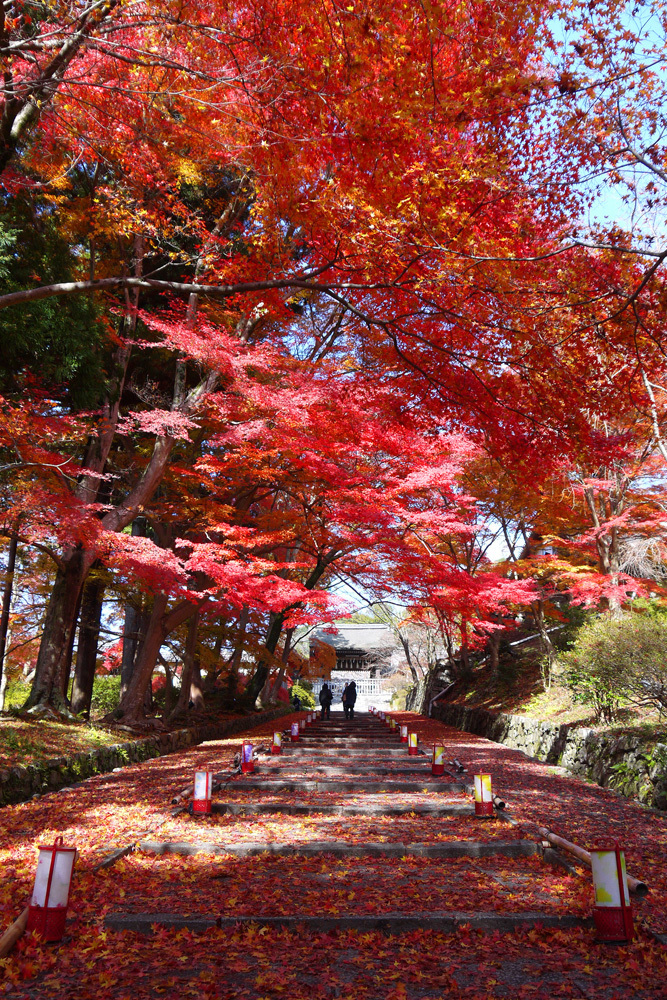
(355, 640)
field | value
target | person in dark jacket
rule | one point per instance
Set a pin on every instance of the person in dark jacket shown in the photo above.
(326, 697)
(344, 699)
(349, 699)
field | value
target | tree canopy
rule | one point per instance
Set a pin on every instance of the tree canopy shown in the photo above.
(300, 293)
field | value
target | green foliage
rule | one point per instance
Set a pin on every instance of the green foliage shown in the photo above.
(58, 343)
(619, 659)
(572, 617)
(16, 693)
(303, 694)
(106, 695)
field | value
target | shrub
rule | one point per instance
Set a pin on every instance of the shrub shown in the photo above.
(106, 695)
(304, 695)
(16, 693)
(617, 659)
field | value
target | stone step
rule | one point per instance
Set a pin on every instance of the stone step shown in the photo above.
(348, 741)
(432, 784)
(342, 849)
(454, 808)
(333, 771)
(299, 749)
(390, 923)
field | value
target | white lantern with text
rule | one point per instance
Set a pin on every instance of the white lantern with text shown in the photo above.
(47, 911)
(483, 795)
(277, 745)
(413, 747)
(247, 762)
(294, 732)
(612, 911)
(404, 734)
(201, 799)
(438, 763)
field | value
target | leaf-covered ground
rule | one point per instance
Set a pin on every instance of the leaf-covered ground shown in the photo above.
(258, 963)
(23, 741)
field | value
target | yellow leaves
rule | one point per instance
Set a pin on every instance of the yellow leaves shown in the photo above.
(188, 172)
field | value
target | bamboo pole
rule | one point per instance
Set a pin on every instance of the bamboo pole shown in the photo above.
(13, 933)
(634, 885)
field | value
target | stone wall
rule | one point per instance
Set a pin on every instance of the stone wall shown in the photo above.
(20, 783)
(623, 763)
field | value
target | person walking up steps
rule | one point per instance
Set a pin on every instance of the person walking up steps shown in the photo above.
(326, 697)
(349, 699)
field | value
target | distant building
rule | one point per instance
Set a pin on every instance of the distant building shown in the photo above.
(364, 653)
(359, 647)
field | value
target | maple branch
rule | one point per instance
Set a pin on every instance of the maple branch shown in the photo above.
(157, 285)
(19, 114)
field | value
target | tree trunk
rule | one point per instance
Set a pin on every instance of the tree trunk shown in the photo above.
(548, 651)
(131, 706)
(269, 694)
(6, 605)
(494, 653)
(61, 615)
(188, 666)
(131, 624)
(66, 665)
(258, 679)
(86, 656)
(130, 643)
(405, 643)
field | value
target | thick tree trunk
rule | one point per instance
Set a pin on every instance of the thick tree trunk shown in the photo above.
(408, 658)
(61, 615)
(258, 679)
(131, 627)
(493, 646)
(269, 694)
(131, 624)
(131, 706)
(6, 604)
(132, 700)
(66, 665)
(86, 656)
(188, 666)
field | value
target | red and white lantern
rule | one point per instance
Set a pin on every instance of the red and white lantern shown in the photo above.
(413, 748)
(483, 795)
(294, 732)
(302, 724)
(247, 763)
(201, 799)
(612, 911)
(382, 716)
(438, 763)
(47, 911)
(277, 745)
(404, 734)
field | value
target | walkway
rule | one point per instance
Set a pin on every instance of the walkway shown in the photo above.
(343, 868)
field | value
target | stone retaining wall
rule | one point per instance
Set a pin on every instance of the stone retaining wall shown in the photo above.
(20, 783)
(623, 763)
